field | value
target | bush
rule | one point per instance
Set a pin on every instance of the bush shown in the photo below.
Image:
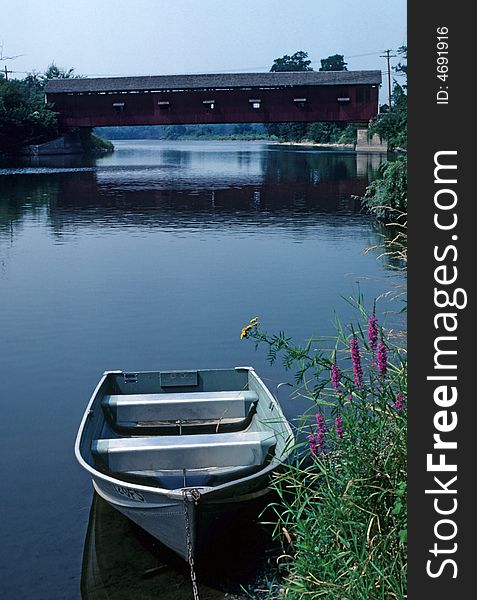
(319, 133)
(392, 126)
(94, 144)
(386, 197)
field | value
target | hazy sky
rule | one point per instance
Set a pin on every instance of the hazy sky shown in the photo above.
(125, 37)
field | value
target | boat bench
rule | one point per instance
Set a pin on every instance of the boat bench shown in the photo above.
(149, 411)
(186, 452)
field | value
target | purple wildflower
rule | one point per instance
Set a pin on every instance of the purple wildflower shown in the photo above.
(382, 359)
(313, 447)
(399, 401)
(320, 431)
(339, 427)
(356, 359)
(335, 377)
(373, 332)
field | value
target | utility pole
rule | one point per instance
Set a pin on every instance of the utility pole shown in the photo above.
(3, 57)
(387, 55)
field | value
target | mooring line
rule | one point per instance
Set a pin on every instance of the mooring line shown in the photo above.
(191, 495)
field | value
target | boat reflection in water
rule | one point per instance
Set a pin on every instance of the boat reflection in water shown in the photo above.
(123, 562)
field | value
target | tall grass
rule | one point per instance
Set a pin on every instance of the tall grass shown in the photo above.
(341, 513)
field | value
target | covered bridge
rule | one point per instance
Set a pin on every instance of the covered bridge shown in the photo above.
(345, 96)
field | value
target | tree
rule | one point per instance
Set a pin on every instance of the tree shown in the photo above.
(296, 62)
(24, 116)
(333, 63)
(401, 67)
(26, 119)
(55, 72)
(392, 125)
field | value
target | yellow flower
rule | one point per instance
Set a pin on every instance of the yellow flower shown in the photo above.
(245, 330)
(253, 323)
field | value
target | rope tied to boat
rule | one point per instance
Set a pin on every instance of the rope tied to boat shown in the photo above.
(189, 496)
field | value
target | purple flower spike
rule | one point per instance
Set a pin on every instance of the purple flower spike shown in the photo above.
(382, 359)
(399, 401)
(313, 447)
(335, 377)
(356, 360)
(339, 427)
(373, 332)
(320, 421)
(320, 431)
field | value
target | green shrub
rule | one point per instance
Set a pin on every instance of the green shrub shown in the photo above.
(392, 126)
(386, 197)
(94, 143)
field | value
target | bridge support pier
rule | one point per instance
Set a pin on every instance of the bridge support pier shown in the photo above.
(67, 143)
(367, 143)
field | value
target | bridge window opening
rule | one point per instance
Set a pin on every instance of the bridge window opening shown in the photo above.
(255, 103)
(209, 104)
(300, 102)
(119, 106)
(164, 104)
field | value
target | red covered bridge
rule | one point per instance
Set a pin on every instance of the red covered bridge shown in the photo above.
(345, 96)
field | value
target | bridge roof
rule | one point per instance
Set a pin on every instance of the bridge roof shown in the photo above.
(211, 81)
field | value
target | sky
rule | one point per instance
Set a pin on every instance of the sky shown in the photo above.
(154, 37)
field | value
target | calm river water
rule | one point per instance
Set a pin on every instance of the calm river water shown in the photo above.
(153, 257)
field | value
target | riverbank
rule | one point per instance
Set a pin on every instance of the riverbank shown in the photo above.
(317, 145)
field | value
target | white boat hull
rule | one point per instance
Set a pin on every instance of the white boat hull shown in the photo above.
(162, 512)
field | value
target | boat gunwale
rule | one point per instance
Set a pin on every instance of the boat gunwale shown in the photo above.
(178, 492)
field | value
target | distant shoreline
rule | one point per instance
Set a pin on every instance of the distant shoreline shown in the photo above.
(239, 139)
(317, 144)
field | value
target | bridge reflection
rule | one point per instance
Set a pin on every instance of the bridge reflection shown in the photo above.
(178, 185)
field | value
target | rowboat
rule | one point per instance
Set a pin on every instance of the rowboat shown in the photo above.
(183, 453)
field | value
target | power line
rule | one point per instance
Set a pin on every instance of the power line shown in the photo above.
(359, 55)
(241, 70)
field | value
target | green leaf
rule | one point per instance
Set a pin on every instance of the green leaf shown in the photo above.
(397, 508)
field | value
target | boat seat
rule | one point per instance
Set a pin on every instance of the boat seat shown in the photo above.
(189, 452)
(210, 477)
(202, 412)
